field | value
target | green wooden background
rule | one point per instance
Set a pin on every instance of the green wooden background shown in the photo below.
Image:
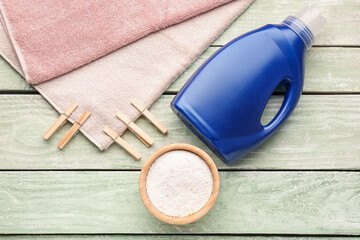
(302, 184)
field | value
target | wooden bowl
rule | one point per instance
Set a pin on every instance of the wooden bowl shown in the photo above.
(197, 215)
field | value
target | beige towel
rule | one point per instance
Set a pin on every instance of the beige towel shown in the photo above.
(142, 70)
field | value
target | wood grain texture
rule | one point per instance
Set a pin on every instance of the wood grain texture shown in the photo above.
(326, 70)
(333, 70)
(122, 143)
(74, 129)
(342, 15)
(322, 133)
(166, 237)
(60, 121)
(249, 202)
(146, 113)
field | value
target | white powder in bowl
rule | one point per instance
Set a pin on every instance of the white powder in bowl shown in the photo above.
(179, 183)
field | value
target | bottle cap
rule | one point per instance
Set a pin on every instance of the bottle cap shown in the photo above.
(307, 23)
(312, 18)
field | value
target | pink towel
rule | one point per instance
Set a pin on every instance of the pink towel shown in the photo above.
(143, 70)
(53, 37)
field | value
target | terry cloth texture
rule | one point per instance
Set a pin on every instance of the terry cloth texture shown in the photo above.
(142, 70)
(53, 37)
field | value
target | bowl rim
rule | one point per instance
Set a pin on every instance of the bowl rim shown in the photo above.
(197, 215)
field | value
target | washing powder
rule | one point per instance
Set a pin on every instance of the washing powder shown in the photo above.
(179, 183)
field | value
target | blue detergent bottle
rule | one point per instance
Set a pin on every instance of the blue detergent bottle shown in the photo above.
(222, 103)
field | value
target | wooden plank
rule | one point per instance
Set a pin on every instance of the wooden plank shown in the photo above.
(333, 70)
(249, 202)
(327, 70)
(342, 15)
(165, 237)
(322, 133)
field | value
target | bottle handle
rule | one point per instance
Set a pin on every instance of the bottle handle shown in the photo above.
(292, 96)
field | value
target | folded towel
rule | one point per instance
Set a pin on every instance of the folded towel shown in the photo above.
(143, 70)
(53, 37)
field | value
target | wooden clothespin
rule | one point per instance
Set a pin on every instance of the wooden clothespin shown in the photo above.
(60, 121)
(73, 130)
(140, 106)
(138, 132)
(122, 143)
